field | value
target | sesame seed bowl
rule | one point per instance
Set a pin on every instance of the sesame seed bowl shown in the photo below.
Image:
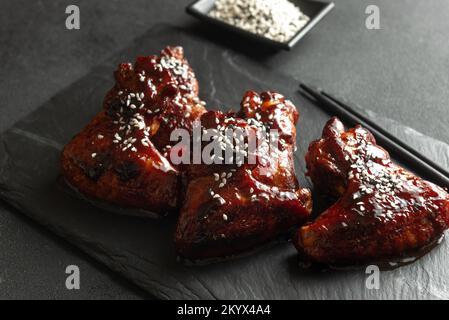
(280, 26)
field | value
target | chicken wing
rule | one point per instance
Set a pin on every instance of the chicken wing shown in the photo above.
(121, 156)
(231, 208)
(383, 212)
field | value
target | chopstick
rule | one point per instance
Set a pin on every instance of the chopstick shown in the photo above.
(417, 161)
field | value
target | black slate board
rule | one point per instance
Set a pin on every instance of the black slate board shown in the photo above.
(142, 250)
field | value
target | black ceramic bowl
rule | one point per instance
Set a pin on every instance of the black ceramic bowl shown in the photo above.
(315, 10)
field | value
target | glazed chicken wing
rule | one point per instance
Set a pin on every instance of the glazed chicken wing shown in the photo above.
(384, 213)
(120, 158)
(231, 208)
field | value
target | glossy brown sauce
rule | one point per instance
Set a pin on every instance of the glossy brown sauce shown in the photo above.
(386, 264)
(383, 211)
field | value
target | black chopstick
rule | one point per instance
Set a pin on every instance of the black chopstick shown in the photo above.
(418, 162)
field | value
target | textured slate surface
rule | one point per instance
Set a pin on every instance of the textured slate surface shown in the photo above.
(142, 250)
(399, 71)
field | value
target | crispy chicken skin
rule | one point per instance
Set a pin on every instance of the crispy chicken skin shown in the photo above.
(383, 213)
(121, 156)
(231, 208)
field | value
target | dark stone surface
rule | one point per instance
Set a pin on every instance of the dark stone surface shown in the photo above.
(399, 72)
(142, 249)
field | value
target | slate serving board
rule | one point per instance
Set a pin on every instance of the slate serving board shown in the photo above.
(142, 250)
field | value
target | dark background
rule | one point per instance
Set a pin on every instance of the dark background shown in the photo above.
(400, 71)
